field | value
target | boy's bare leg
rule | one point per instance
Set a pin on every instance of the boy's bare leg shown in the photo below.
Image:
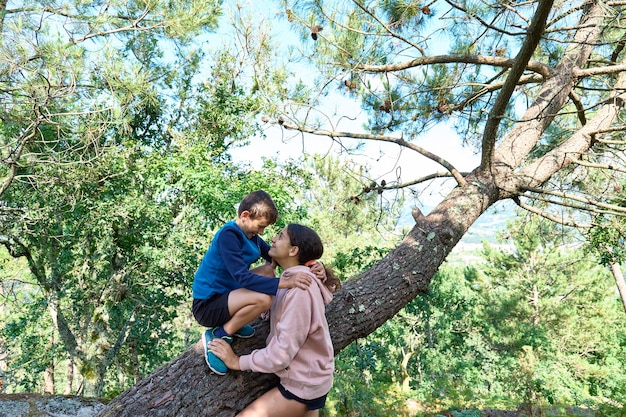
(245, 306)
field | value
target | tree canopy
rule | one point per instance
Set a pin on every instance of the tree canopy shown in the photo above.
(537, 88)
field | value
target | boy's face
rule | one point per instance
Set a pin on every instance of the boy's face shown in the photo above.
(252, 227)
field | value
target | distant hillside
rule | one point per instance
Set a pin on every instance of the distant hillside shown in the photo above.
(484, 229)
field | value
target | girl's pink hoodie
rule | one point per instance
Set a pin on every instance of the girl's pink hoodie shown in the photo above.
(299, 349)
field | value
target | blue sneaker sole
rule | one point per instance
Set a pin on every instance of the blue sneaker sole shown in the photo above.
(207, 352)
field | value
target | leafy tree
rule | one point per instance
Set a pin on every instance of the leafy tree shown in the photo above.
(475, 341)
(547, 309)
(72, 72)
(607, 240)
(547, 80)
(537, 88)
(113, 207)
(337, 209)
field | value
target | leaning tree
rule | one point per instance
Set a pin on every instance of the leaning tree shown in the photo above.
(536, 86)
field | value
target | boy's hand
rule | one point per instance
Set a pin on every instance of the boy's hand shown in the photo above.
(299, 279)
(319, 271)
(222, 350)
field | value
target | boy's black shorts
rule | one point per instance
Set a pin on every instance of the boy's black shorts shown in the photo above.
(211, 312)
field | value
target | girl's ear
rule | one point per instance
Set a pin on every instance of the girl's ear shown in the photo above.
(294, 251)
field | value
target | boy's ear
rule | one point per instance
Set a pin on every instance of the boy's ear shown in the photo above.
(245, 214)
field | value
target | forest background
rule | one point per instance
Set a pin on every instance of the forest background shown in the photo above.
(121, 139)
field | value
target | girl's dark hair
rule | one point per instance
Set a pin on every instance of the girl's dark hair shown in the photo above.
(311, 248)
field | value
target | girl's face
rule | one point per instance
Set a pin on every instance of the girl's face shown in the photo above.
(281, 246)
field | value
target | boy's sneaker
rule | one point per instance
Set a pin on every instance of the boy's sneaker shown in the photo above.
(215, 363)
(245, 332)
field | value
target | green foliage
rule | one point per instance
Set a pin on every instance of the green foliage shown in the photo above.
(113, 237)
(535, 325)
(359, 259)
(608, 240)
(357, 387)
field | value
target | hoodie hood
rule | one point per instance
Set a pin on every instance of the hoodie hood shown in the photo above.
(327, 296)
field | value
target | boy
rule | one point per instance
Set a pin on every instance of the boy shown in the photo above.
(226, 294)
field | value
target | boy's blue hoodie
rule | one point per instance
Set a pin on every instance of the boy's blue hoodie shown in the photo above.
(226, 265)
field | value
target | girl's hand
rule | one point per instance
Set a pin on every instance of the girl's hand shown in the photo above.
(268, 269)
(222, 350)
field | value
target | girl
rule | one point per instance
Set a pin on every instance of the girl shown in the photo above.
(299, 349)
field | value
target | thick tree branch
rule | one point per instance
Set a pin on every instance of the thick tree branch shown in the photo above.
(528, 130)
(533, 36)
(580, 142)
(607, 70)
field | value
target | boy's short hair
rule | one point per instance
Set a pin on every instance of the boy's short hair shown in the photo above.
(259, 204)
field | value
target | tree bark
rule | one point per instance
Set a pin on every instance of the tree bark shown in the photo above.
(48, 374)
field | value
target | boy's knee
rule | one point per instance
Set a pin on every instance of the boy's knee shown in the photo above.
(264, 301)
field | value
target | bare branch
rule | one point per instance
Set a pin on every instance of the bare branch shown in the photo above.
(388, 29)
(14, 155)
(133, 26)
(580, 109)
(587, 203)
(380, 138)
(491, 87)
(425, 178)
(548, 216)
(481, 21)
(600, 166)
(495, 61)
